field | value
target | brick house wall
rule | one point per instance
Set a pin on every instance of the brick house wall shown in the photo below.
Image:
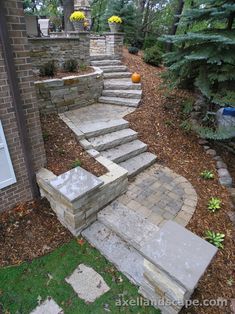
(20, 191)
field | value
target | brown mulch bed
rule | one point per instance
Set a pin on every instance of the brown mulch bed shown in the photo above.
(158, 122)
(61, 74)
(63, 149)
(29, 230)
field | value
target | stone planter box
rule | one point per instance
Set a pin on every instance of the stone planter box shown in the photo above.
(77, 196)
(71, 92)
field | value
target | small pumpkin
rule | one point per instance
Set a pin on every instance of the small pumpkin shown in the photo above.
(136, 78)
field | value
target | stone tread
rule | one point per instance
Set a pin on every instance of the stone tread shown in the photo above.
(119, 101)
(134, 94)
(113, 139)
(138, 163)
(121, 84)
(92, 129)
(101, 57)
(106, 63)
(124, 257)
(117, 75)
(125, 151)
(113, 68)
(127, 224)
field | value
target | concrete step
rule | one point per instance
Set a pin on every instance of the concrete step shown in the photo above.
(125, 151)
(118, 75)
(105, 63)
(124, 257)
(113, 68)
(92, 129)
(121, 84)
(110, 140)
(130, 226)
(119, 101)
(103, 57)
(138, 163)
(134, 94)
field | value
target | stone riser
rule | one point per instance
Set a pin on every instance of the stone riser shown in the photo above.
(117, 75)
(114, 68)
(121, 85)
(131, 94)
(120, 101)
(106, 63)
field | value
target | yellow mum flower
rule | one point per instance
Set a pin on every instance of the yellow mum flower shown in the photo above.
(115, 19)
(77, 16)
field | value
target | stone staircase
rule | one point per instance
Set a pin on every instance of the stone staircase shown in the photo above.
(115, 141)
(118, 88)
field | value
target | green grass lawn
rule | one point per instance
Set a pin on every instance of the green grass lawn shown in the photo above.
(22, 286)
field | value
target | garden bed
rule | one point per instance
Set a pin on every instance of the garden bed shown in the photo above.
(62, 74)
(63, 151)
(159, 123)
(28, 231)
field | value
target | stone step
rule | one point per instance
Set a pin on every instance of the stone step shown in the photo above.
(125, 151)
(113, 139)
(124, 257)
(138, 163)
(134, 94)
(103, 57)
(119, 101)
(105, 63)
(121, 84)
(114, 75)
(113, 68)
(130, 226)
(92, 129)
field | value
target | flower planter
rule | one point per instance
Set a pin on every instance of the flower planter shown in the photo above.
(114, 27)
(79, 25)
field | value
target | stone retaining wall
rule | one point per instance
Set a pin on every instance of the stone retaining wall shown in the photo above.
(60, 49)
(59, 95)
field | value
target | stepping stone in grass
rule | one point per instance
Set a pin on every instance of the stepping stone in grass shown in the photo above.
(87, 283)
(48, 307)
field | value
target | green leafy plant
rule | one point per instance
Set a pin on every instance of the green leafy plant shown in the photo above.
(214, 204)
(186, 126)
(187, 106)
(76, 163)
(70, 65)
(207, 175)
(48, 69)
(133, 50)
(45, 136)
(153, 55)
(215, 238)
(82, 67)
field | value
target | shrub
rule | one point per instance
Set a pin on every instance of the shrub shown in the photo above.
(48, 69)
(153, 56)
(70, 65)
(133, 50)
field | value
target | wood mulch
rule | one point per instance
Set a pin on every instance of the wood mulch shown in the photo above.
(29, 230)
(158, 122)
(61, 74)
(63, 149)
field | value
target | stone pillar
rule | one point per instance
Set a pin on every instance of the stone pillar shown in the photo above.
(114, 44)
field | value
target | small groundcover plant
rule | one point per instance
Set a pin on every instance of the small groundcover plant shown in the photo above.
(77, 16)
(215, 238)
(207, 175)
(115, 19)
(214, 204)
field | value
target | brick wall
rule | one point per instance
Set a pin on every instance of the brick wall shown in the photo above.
(20, 191)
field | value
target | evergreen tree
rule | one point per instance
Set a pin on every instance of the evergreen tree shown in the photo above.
(205, 55)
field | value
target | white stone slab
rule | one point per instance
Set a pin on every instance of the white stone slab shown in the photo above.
(48, 307)
(87, 283)
(76, 183)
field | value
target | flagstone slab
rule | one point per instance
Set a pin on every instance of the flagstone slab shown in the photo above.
(87, 283)
(48, 307)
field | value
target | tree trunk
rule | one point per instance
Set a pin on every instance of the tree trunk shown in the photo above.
(230, 21)
(177, 17)
(68, 10)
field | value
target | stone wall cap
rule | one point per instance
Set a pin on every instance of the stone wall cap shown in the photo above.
(113, 33)
(75, 183)
(179, 253)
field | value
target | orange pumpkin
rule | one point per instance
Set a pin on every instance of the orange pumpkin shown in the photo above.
(136, 78)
